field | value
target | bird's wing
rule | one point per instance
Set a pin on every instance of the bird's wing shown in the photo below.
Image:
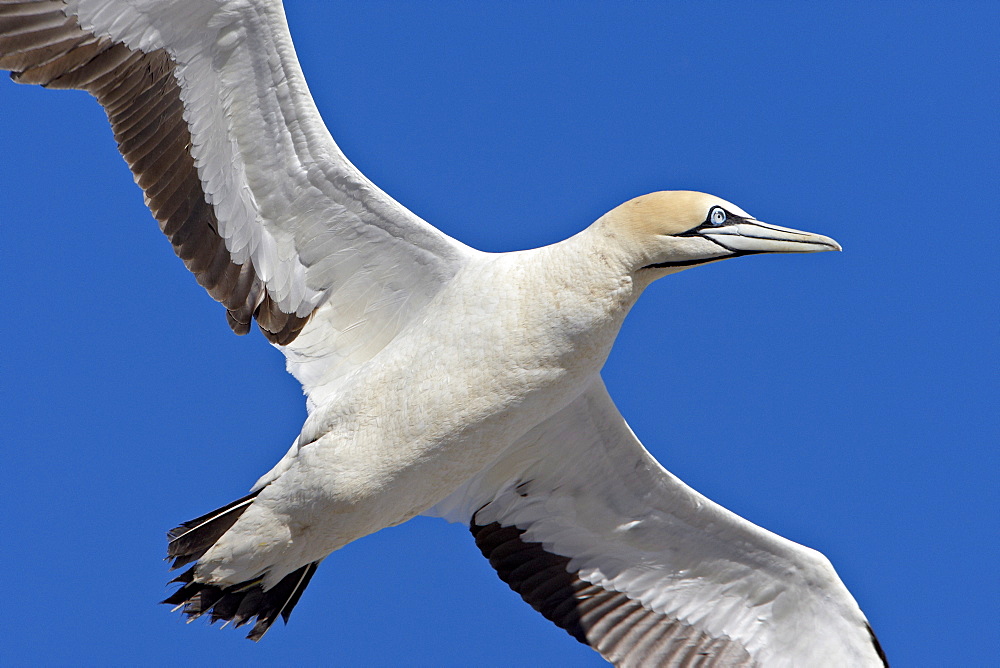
(211, 111)
(581, 521)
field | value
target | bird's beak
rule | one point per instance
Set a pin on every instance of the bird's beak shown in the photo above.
(753, 236)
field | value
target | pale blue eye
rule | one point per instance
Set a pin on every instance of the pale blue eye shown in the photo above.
(718, 216)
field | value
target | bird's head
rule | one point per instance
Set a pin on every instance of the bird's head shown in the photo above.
(669, 231)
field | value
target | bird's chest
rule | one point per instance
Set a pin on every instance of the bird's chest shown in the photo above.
(479, 385)
(452, 394)
(511, 360)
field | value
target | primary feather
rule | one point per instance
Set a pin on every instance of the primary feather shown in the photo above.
(440, 379)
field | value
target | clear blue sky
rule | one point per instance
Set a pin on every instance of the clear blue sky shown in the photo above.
(847, 401)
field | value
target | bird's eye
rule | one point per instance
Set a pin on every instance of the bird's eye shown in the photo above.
(718, 216)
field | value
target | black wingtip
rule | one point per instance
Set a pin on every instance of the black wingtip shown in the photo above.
(241, 603)
(878, 646)
(189, 541)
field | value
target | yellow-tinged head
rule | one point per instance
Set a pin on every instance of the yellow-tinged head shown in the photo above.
(671, 230)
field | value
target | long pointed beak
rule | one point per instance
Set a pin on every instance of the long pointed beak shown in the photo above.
(753, 236)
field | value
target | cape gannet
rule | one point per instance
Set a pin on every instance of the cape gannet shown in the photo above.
(511, 432)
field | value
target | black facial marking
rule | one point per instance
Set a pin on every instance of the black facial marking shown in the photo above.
(731, 219)
(705, 260)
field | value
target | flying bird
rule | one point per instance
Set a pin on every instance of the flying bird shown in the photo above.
(440, 380)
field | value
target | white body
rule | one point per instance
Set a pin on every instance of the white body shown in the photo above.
(510, 341)
(439, 379)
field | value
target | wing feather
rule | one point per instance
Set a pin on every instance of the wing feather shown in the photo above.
(211, 111)
(593, 533)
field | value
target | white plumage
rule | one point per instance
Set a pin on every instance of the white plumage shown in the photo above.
(440, 379)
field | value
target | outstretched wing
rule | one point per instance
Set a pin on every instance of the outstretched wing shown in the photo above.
(582, 522)
(211, 112)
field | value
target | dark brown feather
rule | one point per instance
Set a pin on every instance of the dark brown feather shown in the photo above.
(243, 602)
(140, 94)
(236, 603)
(191, 540)
(624, 631)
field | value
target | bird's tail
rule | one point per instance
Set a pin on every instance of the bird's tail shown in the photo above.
(239, 603)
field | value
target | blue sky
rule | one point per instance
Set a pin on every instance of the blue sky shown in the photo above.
(846, 401)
